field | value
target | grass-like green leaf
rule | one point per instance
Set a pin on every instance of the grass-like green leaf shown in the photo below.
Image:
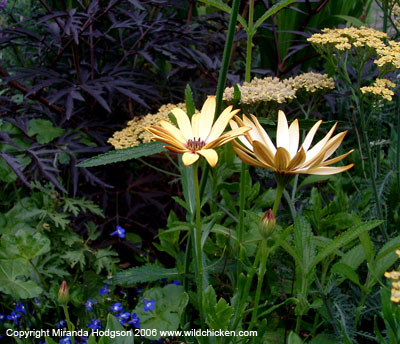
(145, 273)
(272, 10)
(125, 154)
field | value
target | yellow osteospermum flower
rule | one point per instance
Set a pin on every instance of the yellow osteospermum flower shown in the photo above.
(257, 149)
(199, 136)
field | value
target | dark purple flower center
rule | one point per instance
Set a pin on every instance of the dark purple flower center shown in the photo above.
(195, 145)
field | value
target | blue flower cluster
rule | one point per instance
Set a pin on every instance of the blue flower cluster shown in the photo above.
(123, 316)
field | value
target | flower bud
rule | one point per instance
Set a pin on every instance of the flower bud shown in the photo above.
(63, 294)
(267, 224)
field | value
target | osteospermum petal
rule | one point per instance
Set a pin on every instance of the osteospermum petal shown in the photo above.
(183, 123)
(210, 155)
(221, 123)
(189, 158)
(207, 117)
(285, 159)
(282, 133)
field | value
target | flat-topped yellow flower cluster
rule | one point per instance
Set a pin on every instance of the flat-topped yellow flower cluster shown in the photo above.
(394, 276)
(373, 43)
(272, 89)
(134, 134)
(381, 88)
(349, 37)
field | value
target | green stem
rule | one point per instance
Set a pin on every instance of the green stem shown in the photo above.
(263, 266)
(241, 218)
(246, 291)
(250, 35)
(279, 192)
(197, 248)
(69, 324)
(39, 275)
(227, 55)
(359, 309)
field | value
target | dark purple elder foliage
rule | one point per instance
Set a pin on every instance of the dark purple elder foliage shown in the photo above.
(78, 74)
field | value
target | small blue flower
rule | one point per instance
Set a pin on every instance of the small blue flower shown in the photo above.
(65, 340)
(36, 301)
(2, 317)
(61, 324)
(105, 290)
(123, 317)
(139, 290)
(89, 304)
(84, 340)
(176, 282)
(135, 320)
(95, 324)
(119, 231)
(149, 305)
(20, 308)
(13, 316)
(116, 307)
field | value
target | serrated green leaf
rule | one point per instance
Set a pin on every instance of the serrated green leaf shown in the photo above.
(145, 273)
(44, 130)
(74, 257)
(11, 284)
(125, 154)
(344, 239)
(347, 272)
(218, 315)
(303, 243)
(190, 108)
(104, 259)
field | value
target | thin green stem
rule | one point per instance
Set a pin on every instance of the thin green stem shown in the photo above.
(241, 218)
(279, 192)
(263, 266)
(227, 55)
(197, 248)
(158, 169)
(359, 309)
(250, 35)
(246, 290)
(69, 324)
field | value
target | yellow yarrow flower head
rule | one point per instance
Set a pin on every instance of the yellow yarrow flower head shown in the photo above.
(198, 136)
(380, 88)
(394, 276)
(287, 159)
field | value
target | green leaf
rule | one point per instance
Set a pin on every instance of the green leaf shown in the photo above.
(104, 258)
(271, 11)
(344, 239)
(74, 257)
(187, 187)
(114, 325)
(10, 271)
(23, 245)
(190, 108)
(293, 338)
(170, 302)
(303, 243)
(50, 341)
(125, 154)
(347, 272)
(218, 315)
(224, 7)
(44, 129)
(75, 206)
(145, 273)
(349, 19)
